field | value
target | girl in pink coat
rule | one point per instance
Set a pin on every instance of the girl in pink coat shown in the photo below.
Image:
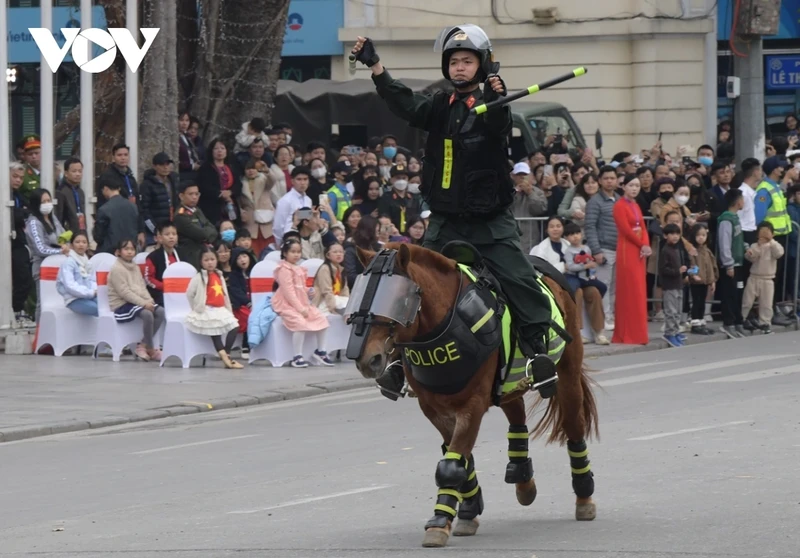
(291, 302)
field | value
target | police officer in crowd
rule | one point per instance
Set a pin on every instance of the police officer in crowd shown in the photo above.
(194, 228)
(466, 176)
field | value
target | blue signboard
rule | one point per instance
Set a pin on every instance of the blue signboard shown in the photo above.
(789, 24)
(21, 46)
(312, 28)
(783, 72)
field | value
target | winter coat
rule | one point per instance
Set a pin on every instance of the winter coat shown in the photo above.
(76, 279)
(258, 195)
(159, 201)
(196, 293)
(260, 321)
(42, 243)
(211, 204)
(279, 178)
(126, 285)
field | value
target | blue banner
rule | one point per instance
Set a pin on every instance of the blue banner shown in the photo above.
(312, 28)
(789, 25)
(782, 72)
(21, 46)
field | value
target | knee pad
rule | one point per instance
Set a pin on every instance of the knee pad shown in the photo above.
(451, 472)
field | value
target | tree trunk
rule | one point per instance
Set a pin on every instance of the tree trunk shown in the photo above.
(238, 63)
(158, 116)
(187, 47)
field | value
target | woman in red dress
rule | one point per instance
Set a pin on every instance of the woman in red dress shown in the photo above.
(633, 248)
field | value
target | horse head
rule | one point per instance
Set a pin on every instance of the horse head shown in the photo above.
(436, 277)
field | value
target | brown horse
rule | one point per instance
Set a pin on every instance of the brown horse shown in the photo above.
(571, 415)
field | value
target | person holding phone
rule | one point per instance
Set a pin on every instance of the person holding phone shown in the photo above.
(295, 199)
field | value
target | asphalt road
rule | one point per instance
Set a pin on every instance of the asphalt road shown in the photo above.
(697, 459)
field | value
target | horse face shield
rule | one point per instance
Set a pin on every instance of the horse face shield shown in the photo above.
(377, 295)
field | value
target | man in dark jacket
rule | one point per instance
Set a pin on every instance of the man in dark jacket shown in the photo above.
(158, 195)
(117, 220)
(120, 174)
(194, 228)
(21, 278)
(71, 206)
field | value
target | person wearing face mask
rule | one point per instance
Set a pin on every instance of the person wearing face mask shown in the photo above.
(339, 196)
(770, 206)
(319, 183)
(399, 204)
(389, 149)
(705, 156)
(42, 231)
(384, 170)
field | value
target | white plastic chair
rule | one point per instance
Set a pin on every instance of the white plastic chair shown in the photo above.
(60, 327)
(274, 256)
(312, 266)
(178, 340)
(277, 348)
(141, 259)
(110, 332)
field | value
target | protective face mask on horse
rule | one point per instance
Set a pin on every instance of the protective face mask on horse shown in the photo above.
(396, 298)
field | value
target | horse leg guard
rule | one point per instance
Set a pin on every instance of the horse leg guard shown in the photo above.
(470, 490)
(582, 476)
(451, 473)
(520, 467)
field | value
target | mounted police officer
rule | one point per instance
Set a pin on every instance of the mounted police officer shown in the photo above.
(467, 179)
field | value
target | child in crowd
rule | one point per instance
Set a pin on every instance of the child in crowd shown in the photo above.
(76, 280)
(764, 256)
(211, 312)
(581, 276)
(330, 285)
(227, 232)
(244, 241)
(671, 271)
(704, 281)
(159, 259)
(291, 302)
(730, 240)
(338, 232)
(129, 299)
(224, 250)
(239, 288)
(250, 131)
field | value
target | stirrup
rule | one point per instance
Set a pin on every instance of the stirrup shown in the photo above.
(547, 386)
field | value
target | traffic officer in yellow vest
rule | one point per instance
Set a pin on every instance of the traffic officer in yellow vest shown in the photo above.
(33, 162)
(338, 194)
(467, 178)
(771, 206)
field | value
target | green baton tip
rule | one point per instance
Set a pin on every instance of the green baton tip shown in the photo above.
(480, 109)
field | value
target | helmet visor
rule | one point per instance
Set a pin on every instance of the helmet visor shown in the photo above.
(468, 35)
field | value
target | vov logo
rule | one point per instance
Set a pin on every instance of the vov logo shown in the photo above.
(111, 40)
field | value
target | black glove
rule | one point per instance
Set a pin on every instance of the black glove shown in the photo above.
(490, 94)
(367, 54)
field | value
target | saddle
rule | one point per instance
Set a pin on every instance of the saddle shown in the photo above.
(466, 254)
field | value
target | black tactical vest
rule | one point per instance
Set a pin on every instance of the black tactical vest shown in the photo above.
(466, 174)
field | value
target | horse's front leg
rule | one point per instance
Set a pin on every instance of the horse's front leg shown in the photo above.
(453, 472)
(519, 470)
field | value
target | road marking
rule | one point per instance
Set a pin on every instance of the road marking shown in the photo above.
(686, 431)
(757, 375)
(690, 370)
(311, 500)
(193, 444)
(632, 367)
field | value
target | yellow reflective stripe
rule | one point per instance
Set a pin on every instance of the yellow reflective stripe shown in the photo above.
(467, 271)
(446, 509)
(452, 455)
(517, 453)
(581, 471)
(447, 171)
(511, 386)
(583, 453)
(450, 492)
(482, 322)
(472, 475)
(517, 435)
(471, 493)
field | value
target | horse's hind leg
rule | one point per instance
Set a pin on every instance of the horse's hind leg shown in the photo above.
(571, 402)
(519, 470)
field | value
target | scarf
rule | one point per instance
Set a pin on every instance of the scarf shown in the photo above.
(82, 261)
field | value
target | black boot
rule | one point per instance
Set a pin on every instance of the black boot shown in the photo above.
(391, 381)
(541, 367)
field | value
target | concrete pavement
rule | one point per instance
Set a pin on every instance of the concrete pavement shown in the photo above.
(695, 461)
(43, 395)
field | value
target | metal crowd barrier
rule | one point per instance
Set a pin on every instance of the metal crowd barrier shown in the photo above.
(540, 231)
